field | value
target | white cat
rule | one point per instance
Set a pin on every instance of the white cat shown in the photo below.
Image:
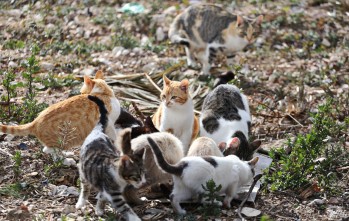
(192, 172)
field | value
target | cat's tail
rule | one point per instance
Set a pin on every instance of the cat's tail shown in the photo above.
(20, 130)
(169, 168)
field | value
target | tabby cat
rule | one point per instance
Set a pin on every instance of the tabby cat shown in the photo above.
(176, 112)
(102, 168)
(172, 149)
(191, 173)
(79, 112)
(205, 29)
(225, 116)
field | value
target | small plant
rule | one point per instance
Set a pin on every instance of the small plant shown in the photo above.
(14, 44)
(10, 92)
(11, 190)
(211, 207)
(314, 157)
(18, 163)
(124, 39)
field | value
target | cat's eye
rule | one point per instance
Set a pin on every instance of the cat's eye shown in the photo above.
(163, 97)
(174, 97)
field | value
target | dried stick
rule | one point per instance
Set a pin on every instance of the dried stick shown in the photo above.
(255, 179)
(139, 113)
(151, 81)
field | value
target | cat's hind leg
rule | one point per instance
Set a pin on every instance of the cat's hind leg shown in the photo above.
(229, 194)
(101, 201)
(178, 195)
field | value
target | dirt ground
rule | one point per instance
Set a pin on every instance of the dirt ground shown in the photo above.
(299, 59)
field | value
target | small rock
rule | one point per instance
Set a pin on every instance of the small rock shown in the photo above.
(33, 174)
(87, 34)
(69, 162)
(68, 209)
(160, 35)
(46, 66)
(317, 202)
(150, 66)
(250, 212)
(12, 64)
(326, 43)
(23, 146)
(125, 52)
(14, 13)
(88, 71)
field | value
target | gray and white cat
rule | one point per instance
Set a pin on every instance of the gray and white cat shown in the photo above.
(225, 116)
(102, 168)
(190, 173)
(205, 29)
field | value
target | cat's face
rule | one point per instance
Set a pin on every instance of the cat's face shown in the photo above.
(131, 169)
(251, 30)
(174, 93)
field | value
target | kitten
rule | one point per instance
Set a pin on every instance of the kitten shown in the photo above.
(225, 115)
(176, 112)
(172, 150)
(79, 112)
(192, 172)
(205, 29)
(102, 168)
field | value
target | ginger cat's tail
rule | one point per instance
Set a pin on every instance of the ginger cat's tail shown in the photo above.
(20, 130)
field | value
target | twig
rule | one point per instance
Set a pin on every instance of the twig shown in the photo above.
(139, 113)
(4, 152)
(295, 120)
(255, 179)
(6, 102)
(343, 168)
(151, 81)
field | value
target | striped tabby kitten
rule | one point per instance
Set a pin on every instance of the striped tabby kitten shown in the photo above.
(191, 173)
(176, 112)
(79, 112)
(205, 29)
(101, 167)
(225, 117)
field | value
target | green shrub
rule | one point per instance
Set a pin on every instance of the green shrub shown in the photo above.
(315, 156)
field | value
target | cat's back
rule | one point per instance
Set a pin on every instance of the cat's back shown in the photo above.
(204, 146)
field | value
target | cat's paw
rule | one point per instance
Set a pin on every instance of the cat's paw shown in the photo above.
(69, 162)
(80, 204)
(99, 211)
(181, 211)
(226, 204)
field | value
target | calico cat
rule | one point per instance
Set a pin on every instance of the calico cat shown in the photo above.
(176, 112)
(225, 114)
(205, 29)
(79, 112)
(102, 168)
(172, 150)
(192, 172)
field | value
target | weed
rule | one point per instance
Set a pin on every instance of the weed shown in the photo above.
(315, 155)
(14, 44)
(13, 190)
(124, 39)
(18, 163)
(54, 81)
(211, 197)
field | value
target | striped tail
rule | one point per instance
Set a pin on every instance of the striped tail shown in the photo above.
(171, 169)
(20, 130)
(119, 204)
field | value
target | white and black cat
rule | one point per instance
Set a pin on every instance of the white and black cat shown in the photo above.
(101, 167)
(190, 173)
(225, 115)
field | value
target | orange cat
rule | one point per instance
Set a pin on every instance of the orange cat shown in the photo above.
(176, 112)
(66, 124)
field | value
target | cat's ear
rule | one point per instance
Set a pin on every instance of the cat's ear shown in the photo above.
(125, 161)
(139, 153)
(88, 85)
(125, 141)
(253, 161)
(235, 142)
(166, 80)
(239, 21)
(184, 85)
(99, 75)
(259, 20)
(255, 145)
(149, 124)
(222, 146)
